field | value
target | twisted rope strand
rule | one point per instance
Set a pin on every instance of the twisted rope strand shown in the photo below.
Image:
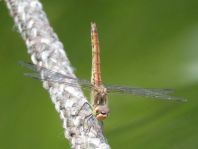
(45, 49)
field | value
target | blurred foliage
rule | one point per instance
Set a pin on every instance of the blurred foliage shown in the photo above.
(143, 43)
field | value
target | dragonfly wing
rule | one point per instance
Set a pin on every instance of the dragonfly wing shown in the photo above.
(153, 93)
(53, 76)
(28, 65)
(46, 72)
(83, 83)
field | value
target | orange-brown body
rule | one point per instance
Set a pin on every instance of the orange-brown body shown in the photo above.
(98, 92)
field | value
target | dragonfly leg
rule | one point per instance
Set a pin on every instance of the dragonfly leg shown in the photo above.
(81, 108)
(88, 119)
(88, 123)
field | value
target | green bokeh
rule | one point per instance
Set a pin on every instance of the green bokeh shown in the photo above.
(143, 43)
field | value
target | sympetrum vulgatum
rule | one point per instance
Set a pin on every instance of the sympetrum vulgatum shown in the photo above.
(99, 90)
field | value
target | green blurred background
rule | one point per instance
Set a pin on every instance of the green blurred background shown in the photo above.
(143, 43)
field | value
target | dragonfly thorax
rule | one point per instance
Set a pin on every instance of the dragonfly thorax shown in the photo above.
(101, 90)
(99, 95)
(99, 98)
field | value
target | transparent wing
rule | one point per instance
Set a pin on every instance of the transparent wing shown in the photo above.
(83, 83)
(52, 76)
(47, 72)
(28, 65)
(153, 92)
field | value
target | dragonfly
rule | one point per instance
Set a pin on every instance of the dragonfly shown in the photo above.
(99, 90)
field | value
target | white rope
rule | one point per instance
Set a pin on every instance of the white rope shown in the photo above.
(81, 129)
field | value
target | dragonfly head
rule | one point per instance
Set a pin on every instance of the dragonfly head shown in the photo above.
(101, 112)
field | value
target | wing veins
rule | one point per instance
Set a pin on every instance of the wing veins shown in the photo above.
(53, 76)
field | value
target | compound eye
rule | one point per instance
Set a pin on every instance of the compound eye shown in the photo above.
(101, 117)
(97, 110)
(101, 112)
(104, 113)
